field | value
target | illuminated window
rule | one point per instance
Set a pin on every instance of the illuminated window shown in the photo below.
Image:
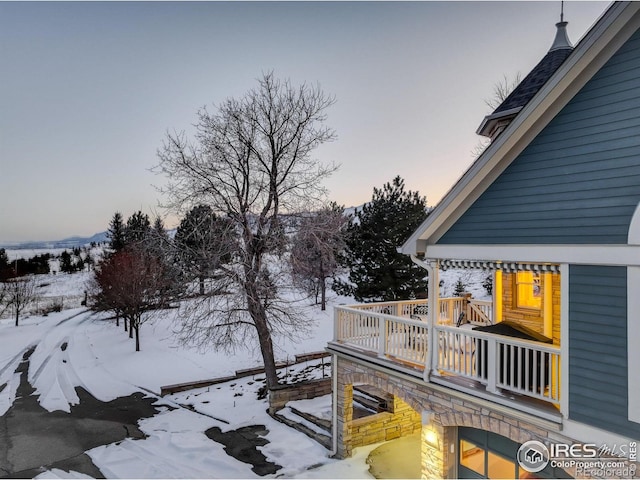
(472, 456)
(528, 290)
(486, 454)
(499, 467)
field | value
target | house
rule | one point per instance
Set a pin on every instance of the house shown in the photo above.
(551, 211)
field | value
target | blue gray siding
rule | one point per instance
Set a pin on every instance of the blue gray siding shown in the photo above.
(578, 182)
(598, 389)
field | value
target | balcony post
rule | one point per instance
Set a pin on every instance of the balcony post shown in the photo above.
(432, 268)
(382, 335)
(492, 365)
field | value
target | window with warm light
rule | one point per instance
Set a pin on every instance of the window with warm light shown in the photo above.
(484, 454)
(472, 456)
(528, 290)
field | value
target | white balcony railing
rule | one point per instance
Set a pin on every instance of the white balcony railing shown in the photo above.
(499, 362)
(400, 338)
(393, 331)
(450, 309)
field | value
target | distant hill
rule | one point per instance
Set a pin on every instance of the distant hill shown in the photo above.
(71, 242)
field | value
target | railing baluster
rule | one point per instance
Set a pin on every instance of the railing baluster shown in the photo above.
(528, 367)
(492, 345)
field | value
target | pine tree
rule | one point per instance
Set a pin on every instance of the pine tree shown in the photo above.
(377, 272)
(116, 232)
(66, 265)
(137, 229)
(6, 271)
(158, 241)
(202, 244)
(488, 284)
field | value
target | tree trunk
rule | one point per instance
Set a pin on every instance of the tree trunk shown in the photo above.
(137, 338)
(256, 310)
(323, 291)
(117, 320)
(131, 327)
(17, 316)
(124, 320)
(266, 347)
(201, 285)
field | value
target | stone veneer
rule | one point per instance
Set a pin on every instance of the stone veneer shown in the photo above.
(448, 411)
(280, 395)
(400, 421)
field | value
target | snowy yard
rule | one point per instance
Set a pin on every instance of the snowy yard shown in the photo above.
(77, 348)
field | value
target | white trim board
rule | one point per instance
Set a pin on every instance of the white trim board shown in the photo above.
(633, 340)
(619, 255)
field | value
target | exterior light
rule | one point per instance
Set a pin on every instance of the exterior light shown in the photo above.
(430, 436)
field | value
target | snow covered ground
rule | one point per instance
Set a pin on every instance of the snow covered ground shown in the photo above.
(77, 348)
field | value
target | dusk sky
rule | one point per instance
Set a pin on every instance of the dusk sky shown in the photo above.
(89, 91)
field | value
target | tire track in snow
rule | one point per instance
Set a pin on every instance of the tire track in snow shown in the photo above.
(93, 374)
(10, 380)
(51, 372)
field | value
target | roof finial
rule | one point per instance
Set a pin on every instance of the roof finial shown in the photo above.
(562, 40)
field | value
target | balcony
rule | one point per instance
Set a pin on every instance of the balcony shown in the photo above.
(521, 373)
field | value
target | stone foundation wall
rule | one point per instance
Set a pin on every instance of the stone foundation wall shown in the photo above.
(447, 412)
(385, 426)
(279, 396)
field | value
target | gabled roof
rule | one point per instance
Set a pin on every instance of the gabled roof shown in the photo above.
(599, 44)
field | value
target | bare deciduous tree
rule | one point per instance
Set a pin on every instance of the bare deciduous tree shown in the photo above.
(315, 248)
(501, 90)
(250, 162)
(3, 296)
(19, 293)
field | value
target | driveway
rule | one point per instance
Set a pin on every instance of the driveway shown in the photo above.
(33, 439)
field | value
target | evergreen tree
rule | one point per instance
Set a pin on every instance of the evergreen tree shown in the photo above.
(488, 284)
(66, 263)
(158, 229)
(202, 244)
(116, 232)
(158, 241)
(459, 288)
(88, 260)
(137, 229)
(6, 271)
(37, 265)
(377, 272)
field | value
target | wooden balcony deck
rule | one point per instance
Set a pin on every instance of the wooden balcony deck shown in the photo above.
(480, 363)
